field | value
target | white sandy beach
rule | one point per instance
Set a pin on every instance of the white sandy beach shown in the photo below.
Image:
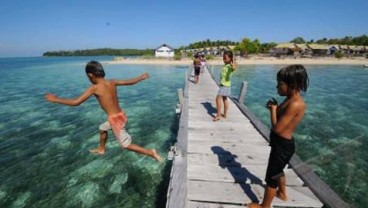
(255, 60)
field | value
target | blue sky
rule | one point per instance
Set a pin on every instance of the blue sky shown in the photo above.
(31, 27)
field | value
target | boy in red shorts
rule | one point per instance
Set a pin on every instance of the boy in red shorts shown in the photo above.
(106, 93)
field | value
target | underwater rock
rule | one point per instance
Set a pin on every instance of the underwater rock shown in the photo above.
(120, 180)
(95, 169)
(85, 194)
(22, 200)
(2, 194)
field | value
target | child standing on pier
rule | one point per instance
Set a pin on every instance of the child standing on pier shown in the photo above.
(225, 84)
(106, 93)
(197, 68)
(284, 120)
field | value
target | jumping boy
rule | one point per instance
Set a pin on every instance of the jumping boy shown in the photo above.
(285, 118)
(106, 93)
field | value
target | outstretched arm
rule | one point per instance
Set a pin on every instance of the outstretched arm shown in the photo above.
(132, 81)
(71, 102)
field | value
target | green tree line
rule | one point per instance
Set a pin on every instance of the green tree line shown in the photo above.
(347, 40)
(245, 46)
(102, 52)
(209, 43)
(248, 46)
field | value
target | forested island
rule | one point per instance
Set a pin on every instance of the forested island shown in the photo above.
(251, 46)
(102, 52)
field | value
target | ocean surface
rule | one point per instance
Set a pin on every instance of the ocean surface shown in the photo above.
(44, 147)
(44, 157)
(333, 136)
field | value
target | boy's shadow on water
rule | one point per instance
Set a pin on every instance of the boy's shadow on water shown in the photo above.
(239, 173)
(210, 109)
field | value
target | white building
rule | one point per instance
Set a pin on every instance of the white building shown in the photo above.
(164, 51)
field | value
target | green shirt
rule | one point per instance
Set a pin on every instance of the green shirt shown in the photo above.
(226, 74)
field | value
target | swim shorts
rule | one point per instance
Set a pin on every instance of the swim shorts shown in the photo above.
(197, 71)
(116, 123)
(282, 150)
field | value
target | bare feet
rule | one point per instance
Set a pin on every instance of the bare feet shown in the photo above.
(223, 115)
(217, 118)
(281, 196)
(98, 150)
(254, 205)
(156, 156)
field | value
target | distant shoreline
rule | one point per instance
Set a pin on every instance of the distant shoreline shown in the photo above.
(255, 60)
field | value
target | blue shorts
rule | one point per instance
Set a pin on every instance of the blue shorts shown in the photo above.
(224, 91)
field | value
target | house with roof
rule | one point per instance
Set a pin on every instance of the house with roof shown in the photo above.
(332, 49)
(318, 49)
(358, 50)
(209, 51)
(344, 49)
(286, 49)
(304, 49)
(164, 50)
(221, 50)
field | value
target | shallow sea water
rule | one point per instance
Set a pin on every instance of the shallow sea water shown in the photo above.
(333, 136)
(44, 157)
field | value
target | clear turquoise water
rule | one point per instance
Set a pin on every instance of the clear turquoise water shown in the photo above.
(333, 137)
(44, 157)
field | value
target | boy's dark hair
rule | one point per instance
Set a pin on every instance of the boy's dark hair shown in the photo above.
(230, 55)
(294, 76)
(95, 68)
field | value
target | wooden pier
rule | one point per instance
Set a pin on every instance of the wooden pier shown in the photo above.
(223, 163)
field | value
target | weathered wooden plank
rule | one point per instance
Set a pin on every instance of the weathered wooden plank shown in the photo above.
(226, 148)
(216, 192)
(226, 174)
(223, 152)
(177, 189)
(207, 117)
(249, 174)
(218, 130)
(226, 137)
(210, 105)
(228, 159)
(241, 194)
(306, 191)
(194, 204)
(233, 139)
(236, 123)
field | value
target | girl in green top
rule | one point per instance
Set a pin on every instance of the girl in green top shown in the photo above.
(225, 84)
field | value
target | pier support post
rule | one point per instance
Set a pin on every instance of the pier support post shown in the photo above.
(181, 100)
(181, 96)
(243, 91)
